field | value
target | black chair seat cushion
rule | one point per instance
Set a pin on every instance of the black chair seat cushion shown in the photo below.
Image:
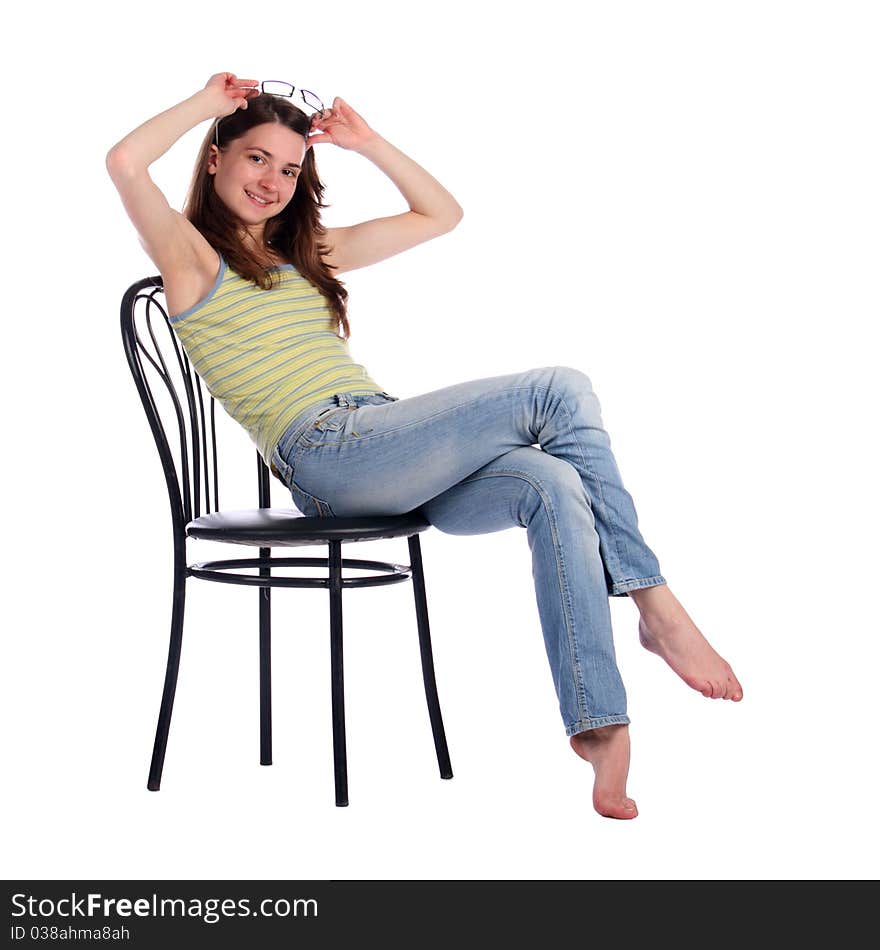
(265, 527)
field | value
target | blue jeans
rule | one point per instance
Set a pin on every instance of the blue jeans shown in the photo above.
(466, 456)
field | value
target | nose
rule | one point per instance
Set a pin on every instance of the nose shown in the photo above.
(269, 180)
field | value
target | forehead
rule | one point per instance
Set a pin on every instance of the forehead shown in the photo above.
(283, 144)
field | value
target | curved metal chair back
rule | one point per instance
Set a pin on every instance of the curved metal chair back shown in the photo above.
(163, 374)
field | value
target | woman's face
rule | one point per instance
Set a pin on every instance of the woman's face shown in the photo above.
(263, 164)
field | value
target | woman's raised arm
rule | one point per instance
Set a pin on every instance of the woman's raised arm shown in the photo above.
(433, 210)
(169, 239)
(222, 95)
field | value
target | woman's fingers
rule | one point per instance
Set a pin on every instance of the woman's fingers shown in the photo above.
(241, 91)
(318, 122)
(239, 87)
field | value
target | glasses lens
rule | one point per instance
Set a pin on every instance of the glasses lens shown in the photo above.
(277, 88)
(312, 101)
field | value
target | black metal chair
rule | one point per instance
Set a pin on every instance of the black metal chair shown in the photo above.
(189, 461)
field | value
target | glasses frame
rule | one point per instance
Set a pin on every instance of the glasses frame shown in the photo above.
(320, 112)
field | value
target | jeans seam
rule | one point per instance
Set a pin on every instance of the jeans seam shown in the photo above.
(598, 481)
(637, 583)
(441, 412)
(582, 725)
(580, 692)
(324, 509)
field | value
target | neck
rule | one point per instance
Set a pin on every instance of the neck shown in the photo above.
(254, 238)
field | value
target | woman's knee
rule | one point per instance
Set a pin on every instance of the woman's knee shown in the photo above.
(571, 379)
(562, 380)
(574, 390)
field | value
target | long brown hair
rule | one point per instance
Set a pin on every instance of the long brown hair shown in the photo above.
(295, 233)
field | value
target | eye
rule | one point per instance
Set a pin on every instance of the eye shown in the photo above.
(290, 172)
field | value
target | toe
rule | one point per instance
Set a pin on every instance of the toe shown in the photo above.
(733, 689)
(619, 808)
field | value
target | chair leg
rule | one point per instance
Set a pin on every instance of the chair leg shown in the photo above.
(418, 579)
(265, 666)
(161, 741)
(336, 673)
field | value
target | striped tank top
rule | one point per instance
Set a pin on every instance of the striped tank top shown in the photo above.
(268, 355)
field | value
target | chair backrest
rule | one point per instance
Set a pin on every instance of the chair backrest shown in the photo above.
(170, 388)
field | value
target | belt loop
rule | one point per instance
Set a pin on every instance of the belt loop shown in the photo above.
(343, 400)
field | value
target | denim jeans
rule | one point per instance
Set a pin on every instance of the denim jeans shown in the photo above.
(526, 449)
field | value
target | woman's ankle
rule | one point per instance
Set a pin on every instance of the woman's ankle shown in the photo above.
(652, 599)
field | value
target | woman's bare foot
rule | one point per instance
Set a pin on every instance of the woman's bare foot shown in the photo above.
(667, 630)
(607, 750)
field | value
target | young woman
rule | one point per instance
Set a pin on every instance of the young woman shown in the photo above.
(251, 284)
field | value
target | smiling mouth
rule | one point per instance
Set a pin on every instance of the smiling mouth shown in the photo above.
(262, 202)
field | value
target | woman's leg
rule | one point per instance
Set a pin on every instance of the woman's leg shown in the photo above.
(395, 456)
(529, 488)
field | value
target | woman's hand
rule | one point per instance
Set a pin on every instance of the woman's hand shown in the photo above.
(228, 93)
(342, 126)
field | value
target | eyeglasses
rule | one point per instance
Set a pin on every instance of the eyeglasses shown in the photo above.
(275, 87)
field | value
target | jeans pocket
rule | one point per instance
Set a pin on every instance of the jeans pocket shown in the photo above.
(330, 420)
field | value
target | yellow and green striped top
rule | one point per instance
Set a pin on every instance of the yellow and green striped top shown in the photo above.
(267, 355)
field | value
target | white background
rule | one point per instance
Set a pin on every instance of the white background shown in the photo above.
(679, 199)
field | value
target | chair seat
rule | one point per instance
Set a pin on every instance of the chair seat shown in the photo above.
(268, 527)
